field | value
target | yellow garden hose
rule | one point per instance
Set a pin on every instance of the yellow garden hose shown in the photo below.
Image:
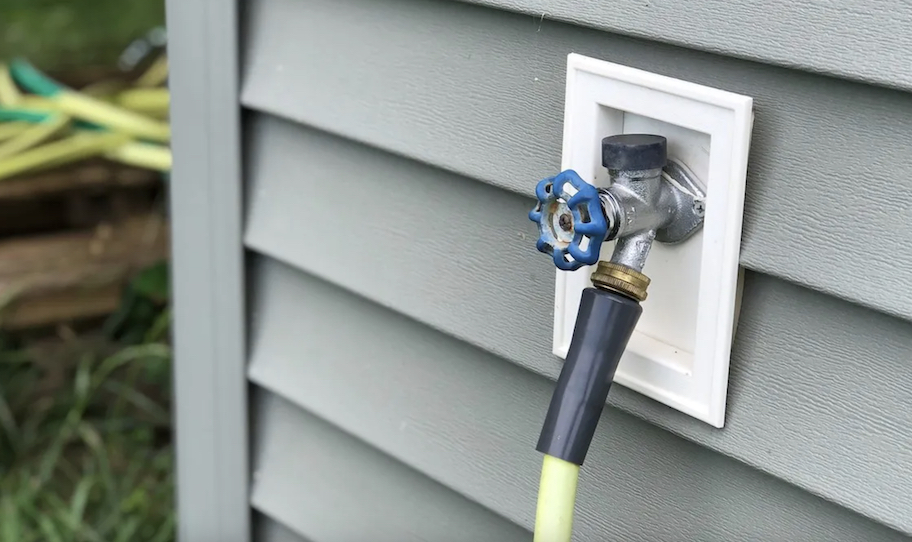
(9, 94)
(88, 108)
(103, 89)
(604, 323)
(556, 499)
(76, 147)
(146, 155)
(12, 129)
(155, 75)
(34, 135)
(116, 118)
(36, 103)
(44, 124)
(151, 101)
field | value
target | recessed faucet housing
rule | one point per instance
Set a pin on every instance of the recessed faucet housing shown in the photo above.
(678, 352)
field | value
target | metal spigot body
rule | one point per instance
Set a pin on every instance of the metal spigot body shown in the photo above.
(649, 199)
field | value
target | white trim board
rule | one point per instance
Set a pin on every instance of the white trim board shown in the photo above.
(679, 353)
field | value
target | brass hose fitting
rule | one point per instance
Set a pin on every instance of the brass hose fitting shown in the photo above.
(621, 279)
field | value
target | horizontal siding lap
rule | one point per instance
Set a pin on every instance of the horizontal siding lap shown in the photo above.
(480, 92)
(846, 38)
(440, 246)
(329, 487)
(468, 420)
(269, 530)
(413, 236)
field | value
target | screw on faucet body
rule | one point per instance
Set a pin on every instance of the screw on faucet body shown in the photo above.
(699, 207)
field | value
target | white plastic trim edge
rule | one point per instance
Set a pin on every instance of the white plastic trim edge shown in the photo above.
(649, 366)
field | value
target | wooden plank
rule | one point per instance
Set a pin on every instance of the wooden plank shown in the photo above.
(63, 306)
(93, 175)
(75, 196)
(52, 278)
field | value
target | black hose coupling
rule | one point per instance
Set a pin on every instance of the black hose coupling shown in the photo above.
(604, 324)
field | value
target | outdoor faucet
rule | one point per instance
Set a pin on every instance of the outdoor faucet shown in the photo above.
(649, 199)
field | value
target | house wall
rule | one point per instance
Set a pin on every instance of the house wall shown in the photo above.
(375, 240)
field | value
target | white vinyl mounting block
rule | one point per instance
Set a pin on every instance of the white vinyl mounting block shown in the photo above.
(679, 353)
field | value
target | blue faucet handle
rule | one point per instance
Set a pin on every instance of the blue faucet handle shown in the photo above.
(571, 222)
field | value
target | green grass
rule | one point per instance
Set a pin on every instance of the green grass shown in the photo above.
(67, 34)
(85, 448)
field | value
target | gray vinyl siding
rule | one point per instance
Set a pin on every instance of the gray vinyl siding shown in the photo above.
(853, 39)
(267, 529)
(330, 486)
(207, 273)
(469, 420)
(398, 319)
(797, 363)
(481, 93)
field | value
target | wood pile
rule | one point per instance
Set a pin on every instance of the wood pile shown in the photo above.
(71, 238)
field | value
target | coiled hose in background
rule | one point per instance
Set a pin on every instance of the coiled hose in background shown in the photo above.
(44, 124)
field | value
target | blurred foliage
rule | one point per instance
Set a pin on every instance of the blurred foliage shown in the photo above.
(85, 429)
(85, 425)
(143, 314)
(71, 34)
